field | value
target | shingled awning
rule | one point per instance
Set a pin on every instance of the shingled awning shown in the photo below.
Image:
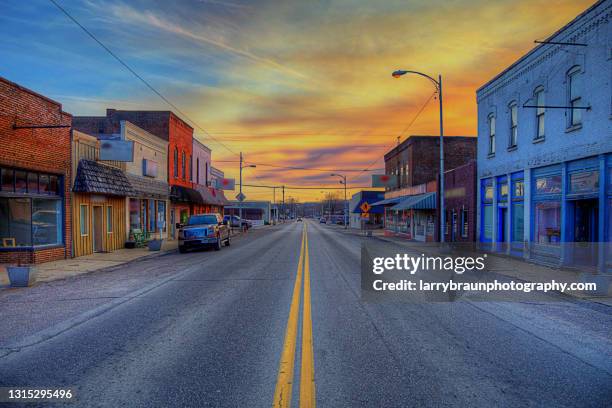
(146, 187)
(180, 194)
(94, 177)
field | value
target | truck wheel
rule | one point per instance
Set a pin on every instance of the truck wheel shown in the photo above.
(227, 241)
(182, 249)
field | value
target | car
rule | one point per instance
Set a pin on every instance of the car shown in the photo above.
(299, 219)
(322, 220)
(236, 222)
(204, 230)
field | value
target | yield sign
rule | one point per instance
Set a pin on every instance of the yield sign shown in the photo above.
(365, 207)
(240, 197)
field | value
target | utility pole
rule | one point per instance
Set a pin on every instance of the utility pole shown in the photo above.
(283, 206)
(274, 204)
(240, 195)
(442, 211)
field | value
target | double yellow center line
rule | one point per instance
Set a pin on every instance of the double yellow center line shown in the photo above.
(284, 383)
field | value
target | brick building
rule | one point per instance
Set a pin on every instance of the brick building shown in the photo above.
(412, 208)
(179, 135)
(460, 203)
(35, 174)
(417, 159)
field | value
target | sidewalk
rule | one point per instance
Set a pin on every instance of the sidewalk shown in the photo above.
(65, 268)
(504, 265)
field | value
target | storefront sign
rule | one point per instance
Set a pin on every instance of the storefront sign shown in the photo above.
(584, 182)
(149, 168)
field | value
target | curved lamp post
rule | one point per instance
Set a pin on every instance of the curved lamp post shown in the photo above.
(344, 212)
(438, 85)
(240, 201)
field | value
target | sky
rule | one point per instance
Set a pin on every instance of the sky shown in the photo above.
(289, 83)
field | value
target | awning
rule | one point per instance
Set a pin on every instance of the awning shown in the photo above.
(146, 187)
(94, 177)
(425, 201)
(185, 195)
(388, 201)
(219, 197)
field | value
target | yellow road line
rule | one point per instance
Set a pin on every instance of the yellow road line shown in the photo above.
(307, 381)
(284, 382)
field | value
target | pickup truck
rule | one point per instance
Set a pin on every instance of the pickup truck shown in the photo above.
(203, 230)
(236, 222)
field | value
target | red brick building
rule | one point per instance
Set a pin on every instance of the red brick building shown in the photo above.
(460, 203)
(167, 126)
(35, 175)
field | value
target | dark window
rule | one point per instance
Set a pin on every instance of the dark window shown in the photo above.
(513, 125)
(198, 170)
(491, 134)
(183, 166)
(33, 183)
(21, 183)
(8, 179)
(575, 92)
(540, 110)
(190, 168)
(53, 185)
(176, 159)
(43, 182)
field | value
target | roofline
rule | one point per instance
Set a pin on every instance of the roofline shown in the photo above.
(195, 140)
(406, 141)
(539, 46)
(171, 113)
(38, 95)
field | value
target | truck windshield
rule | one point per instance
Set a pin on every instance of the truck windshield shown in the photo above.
(202, 219)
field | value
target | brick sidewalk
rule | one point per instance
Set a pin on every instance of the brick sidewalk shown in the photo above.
(50, 271)
(512, 267)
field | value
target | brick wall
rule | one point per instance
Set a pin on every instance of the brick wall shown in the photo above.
(460, 188)
(44, 149)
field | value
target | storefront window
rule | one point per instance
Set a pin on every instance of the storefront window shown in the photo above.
(32, 182)
(518, 189)
(16, 222)
(84, 219)
(464, 223)
(548, 222)
(109, 219)
(161, 216)
(502, 189)
(548, 185)
(152, 217)
(46, 221)
(21, 183)
(487, 223)
(44, 184)
(134, 214)
(584, 182)
(517, 222)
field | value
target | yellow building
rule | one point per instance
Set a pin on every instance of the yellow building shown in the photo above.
(98, 199)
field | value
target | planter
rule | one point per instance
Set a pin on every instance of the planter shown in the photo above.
(155, 244)
(21, 276)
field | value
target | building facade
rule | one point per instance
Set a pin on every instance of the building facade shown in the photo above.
(258, 212)
(184, 199)
(411, 208)
(374, 218)
(460, 203)
(35, 175)
(99, 191)
(544, 148)
(148, 208)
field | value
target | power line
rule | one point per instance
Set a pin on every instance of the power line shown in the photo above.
(305, 188)
(294, 167)
(414, 118)
(144, 81)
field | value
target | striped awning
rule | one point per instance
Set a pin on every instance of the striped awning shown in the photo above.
(425, 201)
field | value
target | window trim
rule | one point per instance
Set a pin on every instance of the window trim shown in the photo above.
(183, 169)
(86, 234)
(109, 219)
(539, 113)
(491, 132)
(572, 74)
(176, 158)
(512, 141)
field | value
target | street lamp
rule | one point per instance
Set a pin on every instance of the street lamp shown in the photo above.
(344, 211)
(240, 195)
(438, 85)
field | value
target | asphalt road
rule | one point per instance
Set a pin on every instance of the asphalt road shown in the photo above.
(211, 329)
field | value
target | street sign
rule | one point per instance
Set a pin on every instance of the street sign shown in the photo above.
(365, 215)
(365, 207)
(240, 197)
(384, 180)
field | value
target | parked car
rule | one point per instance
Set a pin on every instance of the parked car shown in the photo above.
(322, 220)
(204, 230)
(236, 222)
(299, 219)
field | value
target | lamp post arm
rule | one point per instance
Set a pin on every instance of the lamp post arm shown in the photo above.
(436, 83)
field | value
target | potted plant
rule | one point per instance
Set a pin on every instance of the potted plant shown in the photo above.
(22, 275)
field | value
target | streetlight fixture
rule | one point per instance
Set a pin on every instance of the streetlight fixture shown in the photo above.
(240, 195)
(344, 211)
(438, 84)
